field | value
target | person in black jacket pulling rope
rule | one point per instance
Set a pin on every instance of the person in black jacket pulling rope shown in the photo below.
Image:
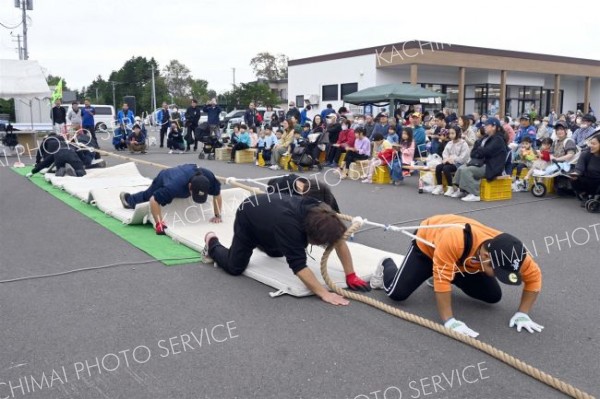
(283, 225)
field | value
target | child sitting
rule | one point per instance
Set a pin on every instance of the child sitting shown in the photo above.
(306, 130)
(360, 151)
(543, 158)
(175, 139)
(235, 135)
(269, 140)
(243, 142)
(380, 151)
(524, 159)
(406, 148)
(392, 136)
(456, 153)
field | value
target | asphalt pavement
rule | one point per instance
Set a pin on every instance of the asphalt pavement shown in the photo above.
(191, 331)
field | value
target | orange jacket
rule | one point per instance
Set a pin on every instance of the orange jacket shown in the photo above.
(449, 246)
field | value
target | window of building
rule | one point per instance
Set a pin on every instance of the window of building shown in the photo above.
(330, 93)
(299, 101)
(348, 88)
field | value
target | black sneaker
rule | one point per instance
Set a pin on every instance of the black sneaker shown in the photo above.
(124, 197)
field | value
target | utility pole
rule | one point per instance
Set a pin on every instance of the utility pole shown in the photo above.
(114, 98)
(233, 77)
(153, 90)
(96, 95)
(24, 5)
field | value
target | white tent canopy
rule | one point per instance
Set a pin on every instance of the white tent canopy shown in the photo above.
(22, 80)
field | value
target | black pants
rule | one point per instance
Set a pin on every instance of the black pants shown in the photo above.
(175, 145)
(586, 185)
(353, 156)
(92, 130)
(266, 154)
(190, 137)
(238, 146)
(519, 167)
(235, 259)
(163, 131)
(400, 283)
(334, 154)
(447, 169)
(60, 159)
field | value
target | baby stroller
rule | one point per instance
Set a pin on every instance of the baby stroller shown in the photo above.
(560, 174)
(301, 156)
(210, 142)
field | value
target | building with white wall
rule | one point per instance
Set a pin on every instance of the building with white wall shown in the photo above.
(474, 79)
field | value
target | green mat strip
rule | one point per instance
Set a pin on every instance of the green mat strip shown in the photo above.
(143, 237)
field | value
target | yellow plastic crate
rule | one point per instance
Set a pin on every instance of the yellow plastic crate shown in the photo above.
(285, 163)
(322, 157)
(342, 159)
(223, 154)
(245, 156)
(358, 170)
(261, 161)
(382, 175)
(498, 189)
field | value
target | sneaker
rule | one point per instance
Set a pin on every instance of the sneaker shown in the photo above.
(268, 165)
(524, 185)
(471, 198)
(376, 282)
(160, 228)
(69, 171)
(207, 238)
(429, 281)
(180, 152)
(458, 194)
(515, 187)
(124, 197)
(170, 151)
(230, 161)
(438, 190)
(255, 163)
(449, 191)
(274, 167)
(367, 181)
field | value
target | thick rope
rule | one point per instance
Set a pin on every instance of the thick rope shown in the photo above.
(356, 223)
(523, 367)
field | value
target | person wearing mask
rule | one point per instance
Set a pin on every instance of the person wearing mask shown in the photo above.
(74, 116)
(585, 130)
(293, 112)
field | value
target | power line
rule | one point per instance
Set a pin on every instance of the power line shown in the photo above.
(11, 27)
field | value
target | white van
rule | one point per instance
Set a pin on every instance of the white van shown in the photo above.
(105, 115)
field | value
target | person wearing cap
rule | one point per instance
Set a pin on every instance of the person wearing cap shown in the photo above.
(136, 141)
(488, 158)
(282, 226)
(586, 129)
(525, 130)
(469, 255)
(381, 125)
(181, 181)
(327, 111)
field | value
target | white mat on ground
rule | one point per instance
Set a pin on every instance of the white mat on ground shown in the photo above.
(188, 223)
(107, 200)
(123, 175)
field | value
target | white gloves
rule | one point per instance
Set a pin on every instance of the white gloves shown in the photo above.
(29, 175)
(460, 327)
(522, 320)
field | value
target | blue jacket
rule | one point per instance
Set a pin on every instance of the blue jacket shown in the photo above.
(213, 114)
(419, 135)
(174, 183)
(379, 128)
(270, 141)
(326, 112)
(303, 116)
(245, 138)
(393, 139)
(523, 132)
(126, 120)
(160, 115)
(87, 116)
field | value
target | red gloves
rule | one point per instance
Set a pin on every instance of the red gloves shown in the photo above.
(160, 228)
(356, 283)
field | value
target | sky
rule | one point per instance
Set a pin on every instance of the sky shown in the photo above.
(81, 39)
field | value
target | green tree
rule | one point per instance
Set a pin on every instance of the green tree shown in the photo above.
(245, 93)
(199, 90)
(268, 66)
(53, 81)
(179, 80)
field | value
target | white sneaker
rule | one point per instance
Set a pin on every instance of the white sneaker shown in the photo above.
(275, 167)
(471, 198)
(377, 277)
(170, 151)
(255, 163)
(457, 194)
(205, 258)
(438, 190)
(449, 191)
(516, 187)
(367, 180)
